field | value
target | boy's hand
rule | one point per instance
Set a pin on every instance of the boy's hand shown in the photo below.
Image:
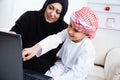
(28, 53)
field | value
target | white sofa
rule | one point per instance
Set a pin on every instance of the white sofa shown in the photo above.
(107, 63)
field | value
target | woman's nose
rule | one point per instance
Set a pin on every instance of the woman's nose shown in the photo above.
(53, 13)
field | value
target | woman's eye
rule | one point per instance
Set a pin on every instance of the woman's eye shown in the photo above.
(58, 12)
(50, 7)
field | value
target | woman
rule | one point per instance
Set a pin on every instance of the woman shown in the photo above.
(33, 26)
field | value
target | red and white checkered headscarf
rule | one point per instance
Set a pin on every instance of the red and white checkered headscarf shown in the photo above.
(86, 21)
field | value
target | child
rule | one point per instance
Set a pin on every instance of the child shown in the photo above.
(77, 55)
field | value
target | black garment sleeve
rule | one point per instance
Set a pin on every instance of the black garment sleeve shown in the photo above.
(22, 24)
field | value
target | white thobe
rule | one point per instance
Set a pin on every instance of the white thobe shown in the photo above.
(76, 59)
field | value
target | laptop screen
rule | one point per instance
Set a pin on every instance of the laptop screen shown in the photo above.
(10, 57)
(11, 67)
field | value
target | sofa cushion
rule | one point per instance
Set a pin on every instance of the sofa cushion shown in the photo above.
(96, 74)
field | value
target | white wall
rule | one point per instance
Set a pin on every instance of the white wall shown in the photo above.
(6, 9)
(110, 18)
(10, 10)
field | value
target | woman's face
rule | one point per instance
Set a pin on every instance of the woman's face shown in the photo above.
(74, 34)
(52, 12)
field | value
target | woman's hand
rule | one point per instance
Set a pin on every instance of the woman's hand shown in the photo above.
(28, 53)
(12, 32)
(52, 78)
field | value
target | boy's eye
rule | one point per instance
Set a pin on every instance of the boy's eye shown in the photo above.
(76, 30)
(70, 25)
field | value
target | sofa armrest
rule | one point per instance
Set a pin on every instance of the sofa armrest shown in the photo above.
(112, 64)
(114, 72)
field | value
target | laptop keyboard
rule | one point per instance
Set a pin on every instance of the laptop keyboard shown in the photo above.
(30, 75)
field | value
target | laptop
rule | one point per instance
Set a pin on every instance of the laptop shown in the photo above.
(11, 66)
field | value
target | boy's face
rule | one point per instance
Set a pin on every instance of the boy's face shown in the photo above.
(74, 34)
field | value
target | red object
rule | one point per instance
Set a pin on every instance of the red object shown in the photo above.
(107, 8)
